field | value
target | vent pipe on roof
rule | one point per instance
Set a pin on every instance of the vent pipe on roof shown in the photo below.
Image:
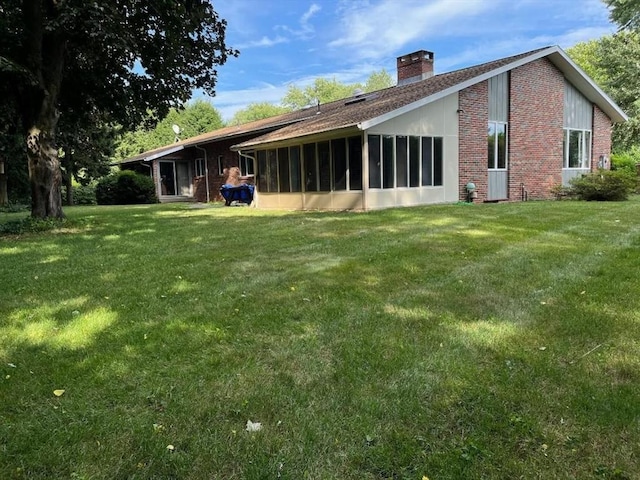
(415, 67)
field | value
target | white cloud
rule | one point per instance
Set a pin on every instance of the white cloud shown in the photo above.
(305, 30)
(264, 42)
(372, 31)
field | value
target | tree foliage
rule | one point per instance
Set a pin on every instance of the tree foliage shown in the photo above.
(626, 13)
(322, 90)
(257, 111)
(119, 59)
(194, 119)
(611, 62)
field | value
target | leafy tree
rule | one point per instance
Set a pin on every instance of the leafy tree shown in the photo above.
(325, 90)
(626, 13)
(611, 62)
(196, 118)
(86, 149)
(378, 81)
(121, 58)
(257, 111)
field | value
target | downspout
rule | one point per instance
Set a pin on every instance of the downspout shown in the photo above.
(253, 162)
(206, 171)
(150, 167)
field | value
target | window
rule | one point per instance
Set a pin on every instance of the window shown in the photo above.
(577, 149)
(246, 163)
(324, 166)
(497, 146)
(355, 163)
(199, 167)
(334, 165)
(387, 161)
(283, 169)
(374, 161)
(402, 161)
(339, 159)
(296, 173)
(220, 164)
(310, 167)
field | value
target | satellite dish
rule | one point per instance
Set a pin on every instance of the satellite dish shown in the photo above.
(176, 129)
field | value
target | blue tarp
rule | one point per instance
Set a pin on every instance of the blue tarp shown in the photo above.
(240, 194)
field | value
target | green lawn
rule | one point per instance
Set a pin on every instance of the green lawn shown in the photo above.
(496, 341)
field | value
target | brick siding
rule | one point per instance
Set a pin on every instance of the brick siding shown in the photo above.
(473, 117)
(535, 129)
(535, 133)
(601, 138)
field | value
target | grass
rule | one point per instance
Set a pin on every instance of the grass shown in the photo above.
(488, 341)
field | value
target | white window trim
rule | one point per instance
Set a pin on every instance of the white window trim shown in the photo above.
(221, 165)
(199, 172)
(565, 153)
(506, 147)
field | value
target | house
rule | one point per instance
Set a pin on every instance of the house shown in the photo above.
(506, 130)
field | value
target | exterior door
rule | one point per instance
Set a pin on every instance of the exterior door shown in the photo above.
(174, 178)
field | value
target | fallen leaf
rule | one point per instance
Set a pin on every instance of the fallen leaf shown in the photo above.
(11, 365)
(171, 448)
(542, 348)
(58, 393)
(253, 426)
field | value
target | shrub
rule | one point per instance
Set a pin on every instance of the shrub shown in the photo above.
(82, 194)
(30, 225)
(626, 160)
(604, 185)
(125, 188)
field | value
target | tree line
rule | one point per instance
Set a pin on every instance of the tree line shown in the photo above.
(84, 83)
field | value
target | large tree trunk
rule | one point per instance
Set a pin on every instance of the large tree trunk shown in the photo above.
(44, 58)
(45, 176)
(4, 194)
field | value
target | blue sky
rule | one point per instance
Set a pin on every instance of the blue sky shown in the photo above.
(284, 42)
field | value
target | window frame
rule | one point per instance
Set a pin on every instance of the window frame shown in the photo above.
(496, 147)
(584, 148)
(199, 170)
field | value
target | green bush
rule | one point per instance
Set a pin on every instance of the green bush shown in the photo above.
(604, 185)
(626, 161)
(125, 188)
(30, 225)
(82, 194)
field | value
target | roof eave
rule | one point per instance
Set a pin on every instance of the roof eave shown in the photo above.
(557, 56)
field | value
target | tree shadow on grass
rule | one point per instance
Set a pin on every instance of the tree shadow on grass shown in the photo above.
(360, 358)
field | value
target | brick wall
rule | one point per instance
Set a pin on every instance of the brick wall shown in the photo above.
(601, 138)
(473, 117)
(535, 129)
(535, 132)
(215, 179)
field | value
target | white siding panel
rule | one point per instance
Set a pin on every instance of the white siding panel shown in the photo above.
(578, 110)
(499, 98)
(437, 119)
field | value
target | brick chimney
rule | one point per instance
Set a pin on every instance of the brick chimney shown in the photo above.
(415, 67)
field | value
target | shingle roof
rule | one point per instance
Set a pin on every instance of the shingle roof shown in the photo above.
(374, 107)
(345, 113)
